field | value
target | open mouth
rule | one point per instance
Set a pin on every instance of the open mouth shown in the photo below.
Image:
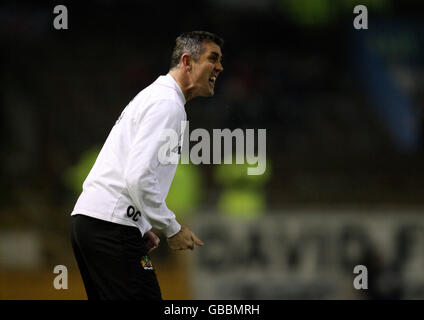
(212, 80)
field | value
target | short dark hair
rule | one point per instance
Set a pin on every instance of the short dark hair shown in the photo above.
(192, 43)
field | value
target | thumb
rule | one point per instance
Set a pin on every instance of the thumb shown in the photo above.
(196, 240)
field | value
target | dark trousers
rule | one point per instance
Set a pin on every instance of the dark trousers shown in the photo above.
(113, 260)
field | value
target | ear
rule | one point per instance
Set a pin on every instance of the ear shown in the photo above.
(186, 62)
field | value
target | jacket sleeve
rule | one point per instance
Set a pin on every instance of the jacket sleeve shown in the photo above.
(141, 169)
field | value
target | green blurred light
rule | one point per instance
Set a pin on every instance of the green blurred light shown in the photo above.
(242, 204)
(74, 176)
(308, 12)
(316, 13)
(228, 175)
(186, 190)
(243, 195)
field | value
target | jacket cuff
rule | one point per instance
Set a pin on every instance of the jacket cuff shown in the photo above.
(173, 228)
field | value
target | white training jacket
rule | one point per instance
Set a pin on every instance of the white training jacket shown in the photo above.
(127, 184)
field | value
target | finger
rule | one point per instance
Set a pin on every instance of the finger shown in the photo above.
(196, 240)
(148, 235)
(191, 246)
(153, 247)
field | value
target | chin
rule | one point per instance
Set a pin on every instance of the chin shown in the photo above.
(208, 93)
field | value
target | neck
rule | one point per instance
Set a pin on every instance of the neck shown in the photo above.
(184, 82)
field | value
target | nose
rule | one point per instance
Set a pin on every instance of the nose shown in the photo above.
(219, 67)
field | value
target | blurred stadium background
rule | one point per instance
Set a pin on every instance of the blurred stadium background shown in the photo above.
(344, 114)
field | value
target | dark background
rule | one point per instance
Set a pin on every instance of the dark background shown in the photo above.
(295, 68)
